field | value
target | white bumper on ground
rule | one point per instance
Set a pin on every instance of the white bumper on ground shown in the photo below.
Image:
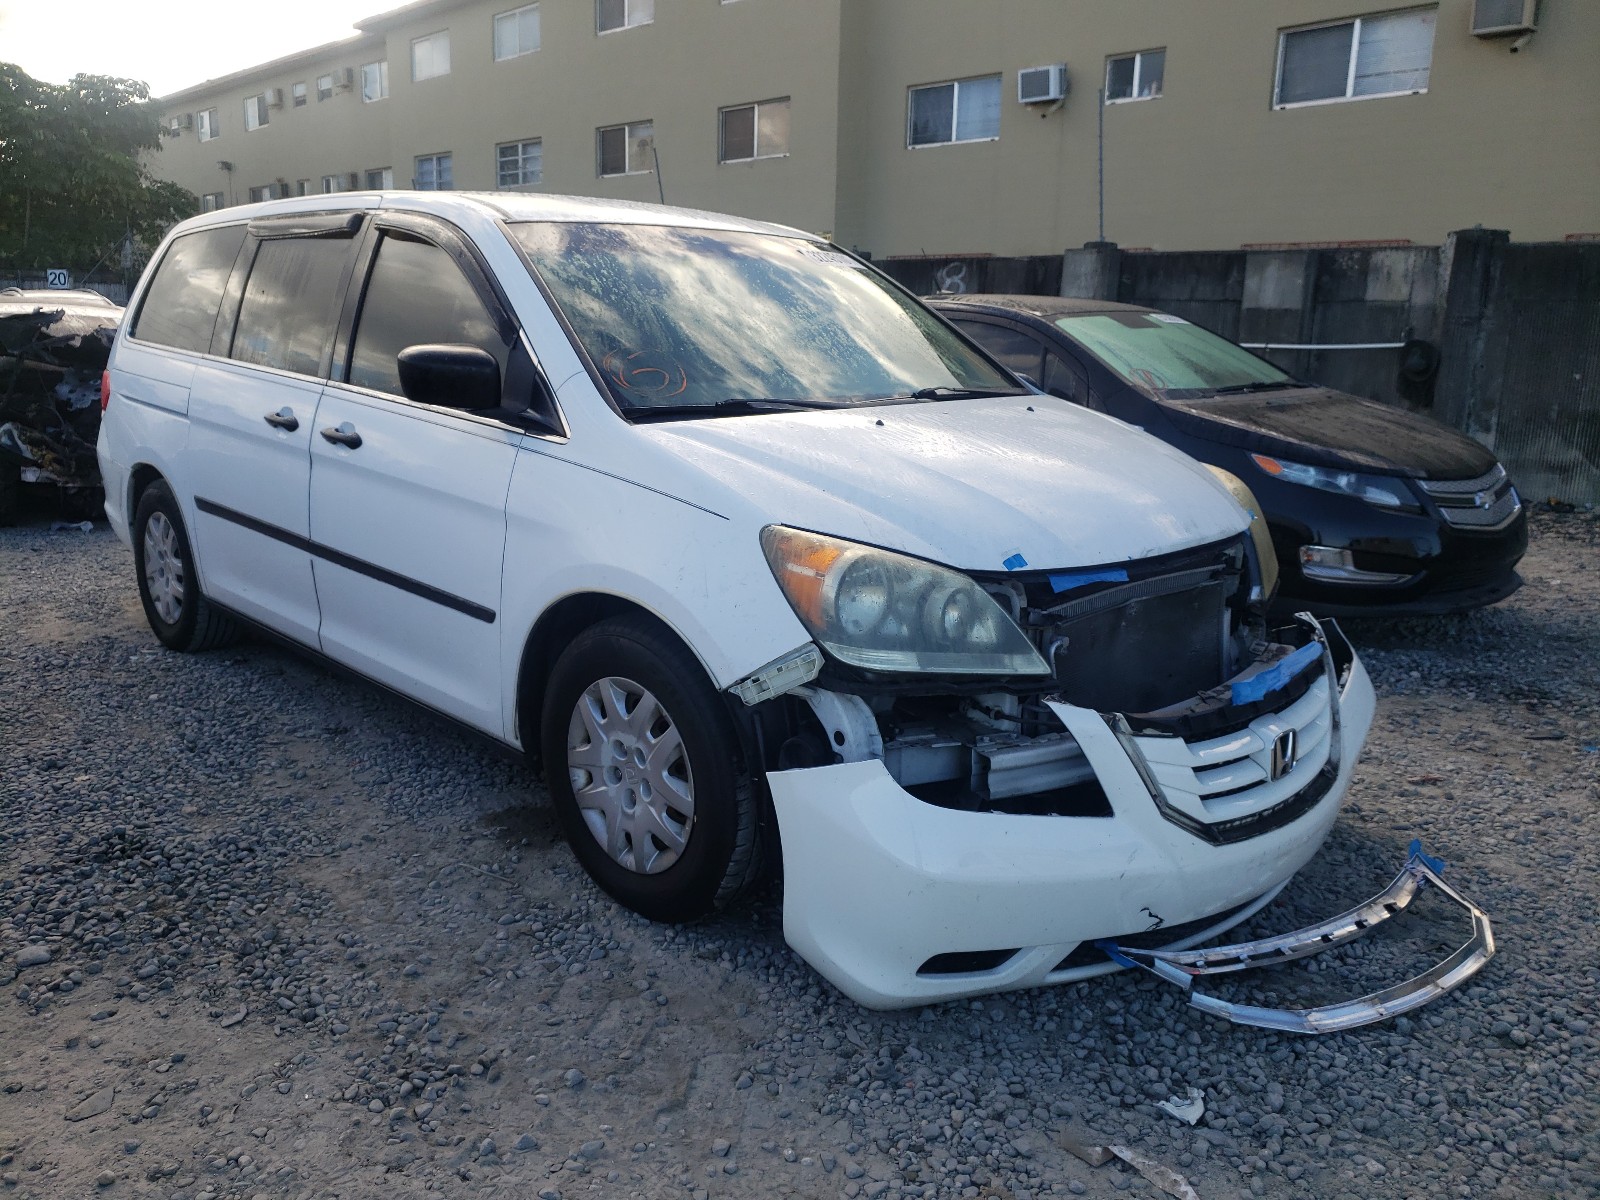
(877, 882)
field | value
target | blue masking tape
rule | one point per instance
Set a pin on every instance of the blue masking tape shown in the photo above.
(1436, 865)
(1067, 580)
(1248, 691)
(1014, 563)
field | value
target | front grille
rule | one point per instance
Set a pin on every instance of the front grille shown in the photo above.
(1485, 503)
(1221, 789)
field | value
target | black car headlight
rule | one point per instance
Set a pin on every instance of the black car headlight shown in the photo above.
(1381, 491)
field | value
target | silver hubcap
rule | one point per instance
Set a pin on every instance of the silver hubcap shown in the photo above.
(630, 775)
(163, 567)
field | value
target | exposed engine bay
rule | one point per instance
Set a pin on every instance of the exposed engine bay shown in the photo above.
(1176, 644)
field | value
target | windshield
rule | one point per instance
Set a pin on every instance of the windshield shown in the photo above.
(679, 319)
(1169, 354)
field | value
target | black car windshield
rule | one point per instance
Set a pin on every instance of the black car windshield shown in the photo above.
(681, 320)
(1168, 354)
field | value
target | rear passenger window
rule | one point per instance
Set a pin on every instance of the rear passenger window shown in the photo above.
(291, 303)
(179, 308)
(417, 295)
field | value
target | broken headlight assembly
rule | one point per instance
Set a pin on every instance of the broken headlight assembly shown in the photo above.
(882, 611)
(1381, 491)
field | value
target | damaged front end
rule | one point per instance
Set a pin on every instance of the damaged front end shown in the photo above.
(52, 356)
(1160, 779)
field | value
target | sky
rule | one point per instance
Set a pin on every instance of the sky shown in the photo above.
(172, 44)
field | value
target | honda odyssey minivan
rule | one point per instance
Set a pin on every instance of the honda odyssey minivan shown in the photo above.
(763, 562)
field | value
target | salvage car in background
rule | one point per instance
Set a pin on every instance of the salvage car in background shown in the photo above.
(1372, 509)
(53, 351)
(726, 529)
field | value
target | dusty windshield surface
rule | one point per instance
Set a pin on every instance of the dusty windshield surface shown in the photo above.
(1171, 355)
(680, 320)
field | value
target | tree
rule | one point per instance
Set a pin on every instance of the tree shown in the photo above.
(72, 183)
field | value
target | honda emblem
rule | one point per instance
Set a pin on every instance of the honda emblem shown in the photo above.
(1283, 755)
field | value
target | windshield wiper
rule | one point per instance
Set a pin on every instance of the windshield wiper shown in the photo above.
(953, 393)
(736, 407)
(1257, 386)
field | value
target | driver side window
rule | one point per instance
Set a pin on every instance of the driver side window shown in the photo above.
(416, 295)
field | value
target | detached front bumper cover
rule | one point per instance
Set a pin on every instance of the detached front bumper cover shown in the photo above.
(1182, 967)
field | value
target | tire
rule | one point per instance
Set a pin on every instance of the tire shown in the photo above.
(10, 492)
(169, 588)
(629, 713)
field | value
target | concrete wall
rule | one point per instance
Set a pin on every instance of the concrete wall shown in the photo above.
(1509, 141)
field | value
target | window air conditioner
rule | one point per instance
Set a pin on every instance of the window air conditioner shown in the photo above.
(353, 181)
(1041, 85)
(345, 78)
(1502, 18)
(274, 97)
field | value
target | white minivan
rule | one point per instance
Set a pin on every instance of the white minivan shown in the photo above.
(764, 563)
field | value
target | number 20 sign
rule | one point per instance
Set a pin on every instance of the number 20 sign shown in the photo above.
(56, 277)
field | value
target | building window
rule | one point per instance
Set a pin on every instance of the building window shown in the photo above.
(433, 173)
(380, 179)
(625, 149)
(375, 80)
(298, 91)
(302, 187)
(611, 15)
(518, 163)
(516, 32)
(335, 183)
(966, 110)
(324, 88)
(255, 111)
(1387, 54)
(258, 194)
(206, 123)
(755, 131)
(210, 202)
(430, 56)
(1135, 76)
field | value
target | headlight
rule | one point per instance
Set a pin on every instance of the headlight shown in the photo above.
(1266, 556)
(1384, 491)
(888, 612)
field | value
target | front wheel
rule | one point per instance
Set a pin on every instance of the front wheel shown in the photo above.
(642, 765)
(169, 589)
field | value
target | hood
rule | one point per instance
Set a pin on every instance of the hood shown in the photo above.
(968, 483)
(1326, 428)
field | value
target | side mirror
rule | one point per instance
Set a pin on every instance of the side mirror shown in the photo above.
(450, 376)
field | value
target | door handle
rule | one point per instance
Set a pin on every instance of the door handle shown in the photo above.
(343, 435)
(283, 419)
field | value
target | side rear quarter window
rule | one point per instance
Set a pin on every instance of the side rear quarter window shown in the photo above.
(416, 295)
(1021, 354)
(291, 303)
(180, 306)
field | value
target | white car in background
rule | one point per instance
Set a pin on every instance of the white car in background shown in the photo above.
(758, 556)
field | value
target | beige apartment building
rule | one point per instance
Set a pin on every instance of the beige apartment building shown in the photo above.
(945, 127)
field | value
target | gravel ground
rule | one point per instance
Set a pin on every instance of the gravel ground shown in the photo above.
(302, 940)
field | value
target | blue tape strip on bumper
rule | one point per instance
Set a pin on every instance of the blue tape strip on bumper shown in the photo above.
(1248, 691)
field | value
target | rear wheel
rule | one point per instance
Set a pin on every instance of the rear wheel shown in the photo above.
(169, 588)
(642, 766)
